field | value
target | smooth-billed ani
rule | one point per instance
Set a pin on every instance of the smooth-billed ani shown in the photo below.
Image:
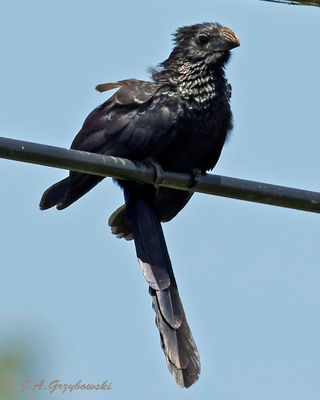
(179, 121)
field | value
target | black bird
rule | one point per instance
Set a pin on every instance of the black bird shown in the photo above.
(179, 122)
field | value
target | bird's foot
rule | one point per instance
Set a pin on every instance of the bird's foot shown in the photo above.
(158, 171)
(196, 174)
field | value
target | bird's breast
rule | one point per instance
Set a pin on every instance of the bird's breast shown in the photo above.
(199, 137)
(197, 94)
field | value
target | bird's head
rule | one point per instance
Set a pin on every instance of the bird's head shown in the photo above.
(209, 43)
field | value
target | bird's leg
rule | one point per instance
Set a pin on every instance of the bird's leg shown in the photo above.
(196, 174)
(158, 171)
(158, 174)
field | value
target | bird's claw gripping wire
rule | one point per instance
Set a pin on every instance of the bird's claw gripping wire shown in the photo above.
(196, 174)
(158, 171)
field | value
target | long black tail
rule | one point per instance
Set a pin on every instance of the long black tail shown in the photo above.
(176, 338)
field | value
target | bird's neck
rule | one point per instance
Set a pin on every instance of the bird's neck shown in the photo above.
(197, 83)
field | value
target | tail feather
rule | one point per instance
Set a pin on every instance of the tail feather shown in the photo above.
(168, 203)
(170, 306)
(176, 338)
(119, 223)
(181, 353)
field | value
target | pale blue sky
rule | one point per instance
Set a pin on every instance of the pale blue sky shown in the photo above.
(248, 274)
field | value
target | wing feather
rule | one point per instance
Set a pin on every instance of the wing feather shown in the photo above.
(134, 123)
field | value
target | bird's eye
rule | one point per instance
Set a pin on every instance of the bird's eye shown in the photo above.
(203, 39)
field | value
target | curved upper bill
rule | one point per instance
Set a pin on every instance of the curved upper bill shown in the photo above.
(229, 38)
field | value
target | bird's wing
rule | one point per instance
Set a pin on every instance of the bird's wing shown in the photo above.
(135, 122)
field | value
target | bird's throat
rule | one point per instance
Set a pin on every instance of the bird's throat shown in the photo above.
(196, 84)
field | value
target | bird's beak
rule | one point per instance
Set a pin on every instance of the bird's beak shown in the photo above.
(230, 39)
